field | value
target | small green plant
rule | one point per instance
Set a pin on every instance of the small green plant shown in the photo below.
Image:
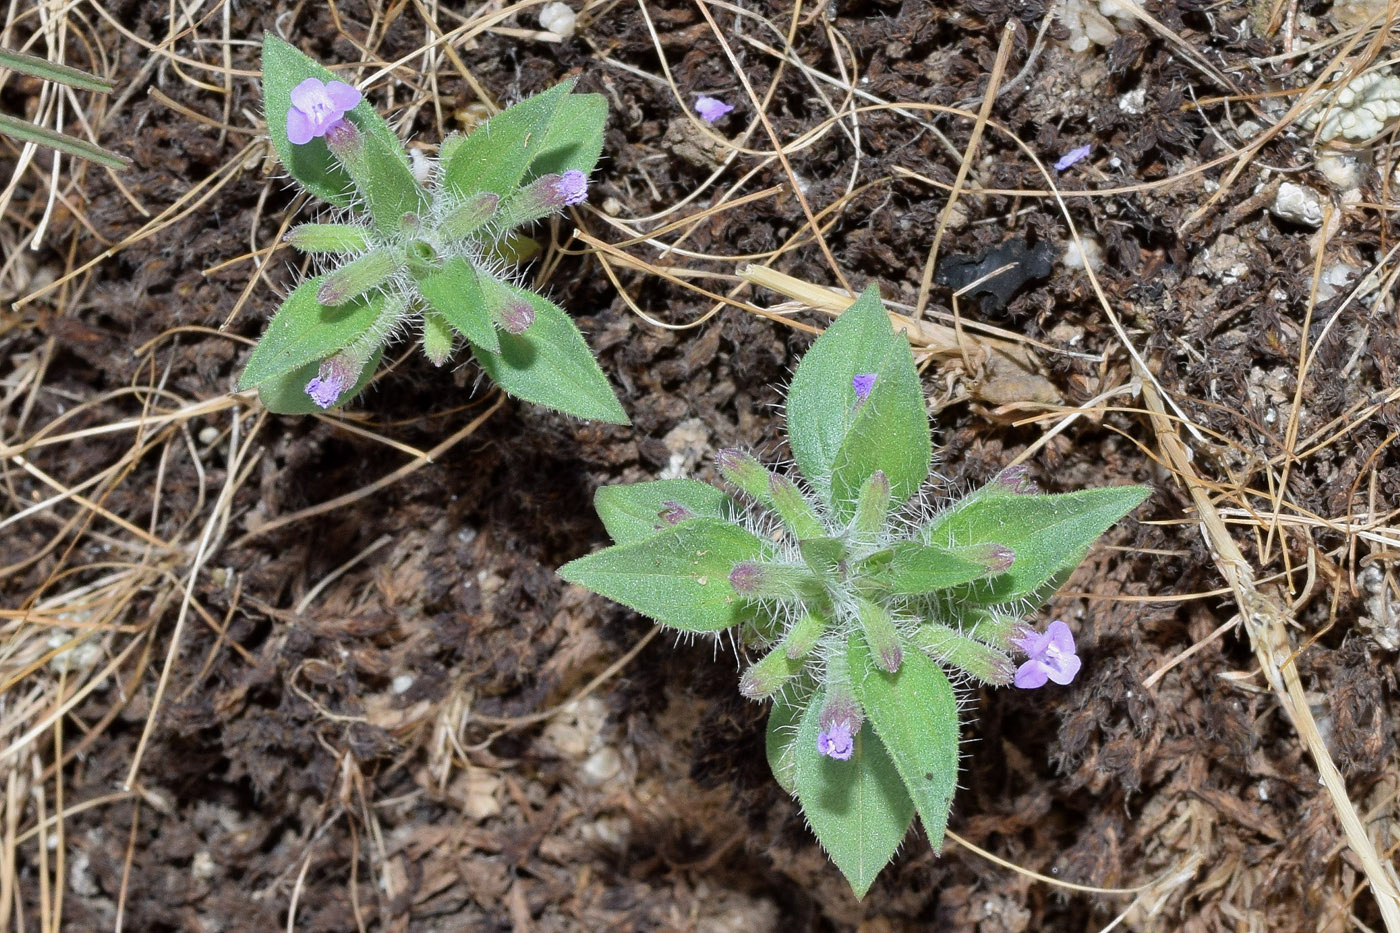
(432, 255)
(865, 602)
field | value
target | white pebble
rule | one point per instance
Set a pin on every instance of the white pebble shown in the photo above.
(559, 19)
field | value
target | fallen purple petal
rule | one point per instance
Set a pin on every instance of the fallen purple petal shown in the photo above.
(1071, 157)
(317, 106)
(711, 109)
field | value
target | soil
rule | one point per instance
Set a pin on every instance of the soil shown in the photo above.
(351, 728)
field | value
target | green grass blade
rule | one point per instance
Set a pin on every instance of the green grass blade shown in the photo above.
(53, 71)
(42, 136)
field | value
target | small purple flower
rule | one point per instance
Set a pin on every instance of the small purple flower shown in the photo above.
(839, 721)
(711, 109)
(1050, 656)
(335, 376)
(1071, 157)
(863, 383)
(565, 190)
(837, 741)
(317, 106)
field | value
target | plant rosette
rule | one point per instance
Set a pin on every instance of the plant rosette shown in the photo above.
(431, 252)
(863, 603)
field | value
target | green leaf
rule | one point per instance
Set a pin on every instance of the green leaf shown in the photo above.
(858, 809)
(496, 155)
(915, 713)
(1049, 534)
(631, 513)
(284, 67)
(679, 577)
(303, 330)
(839, 441)
(575, 139)
(286, 394)
(551, 365)
(918, 569)
(781, 742)
(454, 292)
(387, 183)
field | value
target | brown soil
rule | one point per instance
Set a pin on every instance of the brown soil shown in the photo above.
(351, 727)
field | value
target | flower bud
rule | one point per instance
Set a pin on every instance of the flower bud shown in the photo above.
(469, 216)
(765, 676)
(952, 648)
(804, 634)
(794, 509)
(673, 513)
(438, 338)
(880, 634)
(872, 506)
(745, 472)
(1015, 480)
(357, 277)
(753, 579)
(327, 238)
(510, 310)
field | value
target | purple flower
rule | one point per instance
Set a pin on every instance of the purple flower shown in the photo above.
(1050, 656)
(317, 106)
(1071, 157)
(839, 721)
(863, 384)
(711, 109)
(564, 190)
(837, 741)
(335, 376)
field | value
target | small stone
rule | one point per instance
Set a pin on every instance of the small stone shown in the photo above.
(1297, 204)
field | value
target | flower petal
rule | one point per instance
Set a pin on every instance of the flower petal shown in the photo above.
(299, 129)
(342, 95)
(1032, 674)
(1059, 636)
(1065, 671)
(308, 94)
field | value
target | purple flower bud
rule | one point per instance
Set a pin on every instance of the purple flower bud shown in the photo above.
(746, 577)
(316, 107)
(1071, 157)
(1017, 480)
(343, 139)
(336, 375)
(1050, 656)
(863, 384)
(999, 557)
(673, 513)
(711, 109)
(516, 316)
